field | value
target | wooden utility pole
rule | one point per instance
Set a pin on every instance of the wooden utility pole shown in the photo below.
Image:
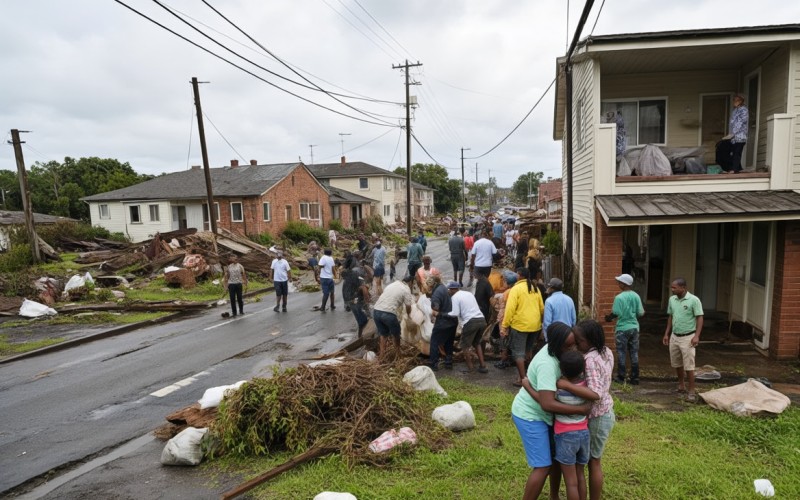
(408, 142)
(463, 188)
(25, 194)
(212, 216)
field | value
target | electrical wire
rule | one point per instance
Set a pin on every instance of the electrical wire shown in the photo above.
(396, 147)
(378, 36)
(360, 145)
(315, 88)
(382, 124)
(191, 128)
(437, 162)
(518, 124)
(358, 29)
(224, 138)
(598, 17)
(384, 29)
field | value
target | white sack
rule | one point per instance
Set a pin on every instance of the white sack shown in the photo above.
(764, 487)
(455, 417)
(653, 162)
(31, 309)
(747, 399)
(75, 282)
(170, 269)
(333, 495)
(426, 327)
(370, 356)
(184, 449)
(88, 278)
(332, 362)
(422, 378)
(213, 396)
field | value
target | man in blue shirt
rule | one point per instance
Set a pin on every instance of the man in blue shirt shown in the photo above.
(558, 307)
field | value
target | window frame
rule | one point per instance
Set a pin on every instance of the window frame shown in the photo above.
(638, 100)
(158, 212)
(138, 214)
(100, 207)
(361, 182)
(241, 209)
(266, 211)
(307, 205)
(387, 210)
(216, 209)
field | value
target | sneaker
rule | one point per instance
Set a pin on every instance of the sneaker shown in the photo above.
(276, 309)
(634, 381)
(346, 308)
(691, 397)
(483, 369)
(619, 380)
(284, 309)
(333, 308)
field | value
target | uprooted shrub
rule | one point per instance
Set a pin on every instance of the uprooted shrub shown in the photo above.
(343, 406)
(300, 232)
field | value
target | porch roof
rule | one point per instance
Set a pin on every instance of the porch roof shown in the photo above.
(698, 208)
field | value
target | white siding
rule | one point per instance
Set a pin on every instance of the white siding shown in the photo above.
(119, 221)
(375, 192)
(793, 108)
(584, 86)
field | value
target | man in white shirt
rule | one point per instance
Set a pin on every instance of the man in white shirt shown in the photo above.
(482, 255)
(466, 309)
(279, 274)
(326, 264)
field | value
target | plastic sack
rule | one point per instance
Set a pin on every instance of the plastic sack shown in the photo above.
(426, 327)
(31, 309)
(764, 487)
(333, 495)
(623, 167)
(422, 378)
(370, 356)
(392, 438)
(171, 269)
(184, 449)
(213, 396)
(749, 398)
(455, 417)
(325, 362)
(695, 166)
(76, 282)
(653, 163)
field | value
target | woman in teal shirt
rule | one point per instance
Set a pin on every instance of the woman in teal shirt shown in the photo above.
(534, 420)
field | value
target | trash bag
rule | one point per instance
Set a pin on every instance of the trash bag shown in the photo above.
(212, 397)
(653, 163)
(334, 495)
(31, 309)
(422, 378)
(455, 417)
(184, 449)
(392, 438)
(623, 167)
(695, 166)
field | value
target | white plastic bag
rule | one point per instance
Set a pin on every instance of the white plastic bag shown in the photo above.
(75, 282)
(213, 396)
(764, 487)
(184, 449)
(653, 162)
(31, 309)
(333, 495)
(455, 417)
(422, 378)
(170, 269)
(426, 327)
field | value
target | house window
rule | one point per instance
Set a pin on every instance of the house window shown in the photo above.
(267, 212)
(289, 215)
(645, 119)
(154, 213)
(236, 212)
(104, 213)
(309, 211)
(336, 212)
(387, 210)
(759, 254)
(387, 183)
(205, 214)
(136, 216)
(363, 183)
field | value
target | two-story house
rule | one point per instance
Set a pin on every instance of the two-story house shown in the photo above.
(734, 238)
(423, 200)
(549, 198)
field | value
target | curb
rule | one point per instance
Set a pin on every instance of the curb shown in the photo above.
(118, 330)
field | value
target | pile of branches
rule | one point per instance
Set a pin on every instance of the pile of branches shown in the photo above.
(343, 406)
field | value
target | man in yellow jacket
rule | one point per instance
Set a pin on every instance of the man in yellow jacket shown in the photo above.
(523, 320)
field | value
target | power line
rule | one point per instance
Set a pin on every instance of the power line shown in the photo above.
(379, 37)
(518, 124)
(191, 128)
(383, 124)
(358, 29)
(223, 137)
(399, 137)
(598, 17)
(384, 29)
(360, 145)
(437, 162)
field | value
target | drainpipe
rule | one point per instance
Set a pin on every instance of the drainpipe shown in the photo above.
(568, 74)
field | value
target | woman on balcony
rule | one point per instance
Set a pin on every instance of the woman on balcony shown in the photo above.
(738, 132)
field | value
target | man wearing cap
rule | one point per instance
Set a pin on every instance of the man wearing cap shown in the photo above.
(473, 323)
(626, 310)
(684, 323)
(387, 311)
(279, 275)
(444, 325)
(558, 307)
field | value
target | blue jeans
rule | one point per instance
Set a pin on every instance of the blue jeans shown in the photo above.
(357, 308)
(628, 342)
(444, 333)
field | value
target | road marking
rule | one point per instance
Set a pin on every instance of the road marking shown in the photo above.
(231, 321)
(177, 385)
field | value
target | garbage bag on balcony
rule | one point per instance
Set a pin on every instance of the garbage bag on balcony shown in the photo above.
(653, 163)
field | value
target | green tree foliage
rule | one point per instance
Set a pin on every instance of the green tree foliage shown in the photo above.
(448, 191)
(56, 188)
(519, 191)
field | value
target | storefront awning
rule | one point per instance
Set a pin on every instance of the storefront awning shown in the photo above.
(698, 208)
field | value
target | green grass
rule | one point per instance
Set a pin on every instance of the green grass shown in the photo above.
(10, 349)
(205, 291)
(97, 318)
(696, 453)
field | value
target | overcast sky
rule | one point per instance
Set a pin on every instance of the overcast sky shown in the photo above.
(92, 78)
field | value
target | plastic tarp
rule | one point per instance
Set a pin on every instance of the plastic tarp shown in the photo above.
(31, 309)
(749, 398)
(653, 163)
(78, 282)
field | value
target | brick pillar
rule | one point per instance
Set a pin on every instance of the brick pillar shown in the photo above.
(607, 266)
(588, 268)
(784, 339)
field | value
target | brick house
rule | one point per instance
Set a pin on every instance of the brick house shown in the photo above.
(734, 238)
(248, 200)
(549, 198)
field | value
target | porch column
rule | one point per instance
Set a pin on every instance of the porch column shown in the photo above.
(608, 265)
(784, 336)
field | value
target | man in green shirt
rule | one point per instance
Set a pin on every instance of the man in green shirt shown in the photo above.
(684, 325)
(626, 310)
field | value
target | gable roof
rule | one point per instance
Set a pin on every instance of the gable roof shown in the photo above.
(417, 185)
(341, 196)
(15, 218)
(348, 169)
(245, 180)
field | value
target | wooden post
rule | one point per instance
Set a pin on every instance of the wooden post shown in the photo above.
(25, 194)
(212, 217)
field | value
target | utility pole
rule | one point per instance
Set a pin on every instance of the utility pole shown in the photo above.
(212, 216)
(405, 67)
(341, 138)
(25, 194)
(311, 146)
(463, 188)
(530, 177)
(477, 192)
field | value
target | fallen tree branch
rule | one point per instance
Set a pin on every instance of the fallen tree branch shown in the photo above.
(136, 306)
(293, 462)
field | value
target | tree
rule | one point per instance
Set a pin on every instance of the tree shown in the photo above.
(448, 191)
(527, 184)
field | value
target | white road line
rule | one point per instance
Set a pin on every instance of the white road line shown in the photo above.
(231, 321)
(177, 385)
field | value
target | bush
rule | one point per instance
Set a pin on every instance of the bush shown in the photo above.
(54, 234)
(264, 239)
(336, 225)
(552, 243)
(373, 224)
(300, 232)
(19, 257)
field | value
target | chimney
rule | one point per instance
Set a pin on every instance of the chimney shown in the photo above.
(234, 163)
(344, 161)
(254, 162)
(195, 167)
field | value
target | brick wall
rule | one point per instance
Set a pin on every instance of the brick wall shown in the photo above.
(784, 342)
(608, 265)
(588, 268)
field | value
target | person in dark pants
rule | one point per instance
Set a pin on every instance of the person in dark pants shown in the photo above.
(444, 325)
(738, 131)
(360, 305)
(235, 279)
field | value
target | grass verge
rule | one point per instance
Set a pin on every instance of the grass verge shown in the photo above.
(10, 349)
(695, 453)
